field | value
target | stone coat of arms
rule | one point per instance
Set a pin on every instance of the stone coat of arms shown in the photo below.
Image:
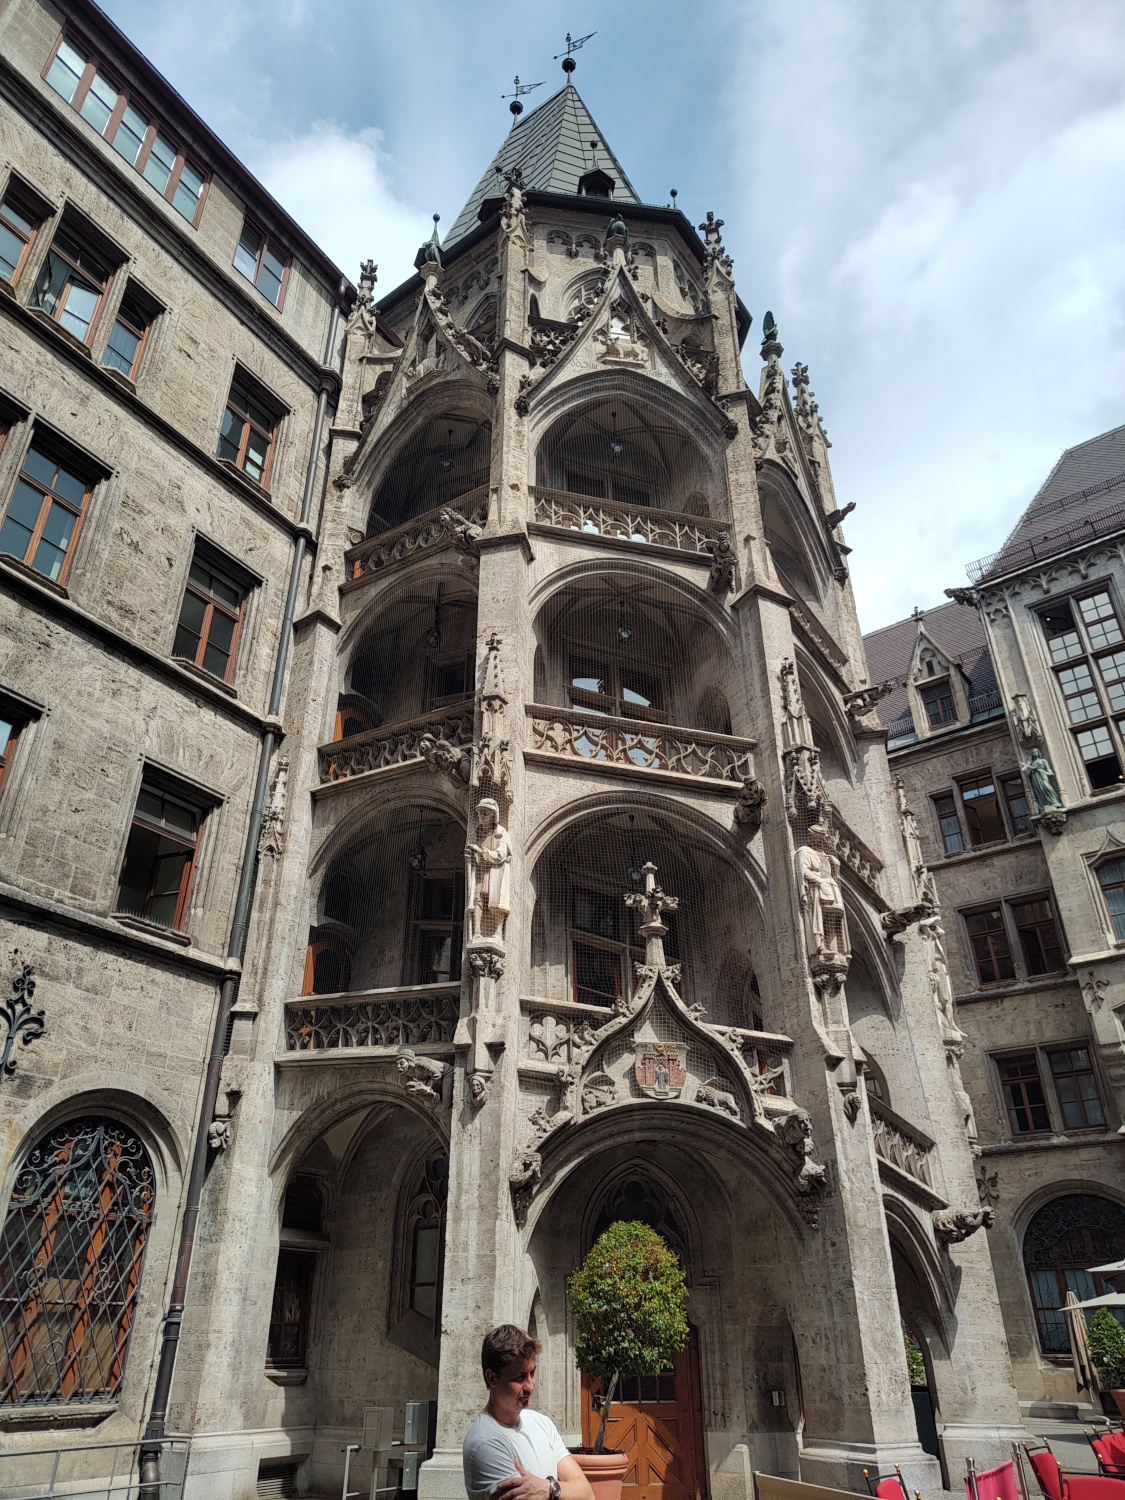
(659, 1069)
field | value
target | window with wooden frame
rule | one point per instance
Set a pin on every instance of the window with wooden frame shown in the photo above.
(20, 219)
(1111, 878)
(1091, 678)
(327, 964)
(45, 512)
(291, 1308)
(126, 122)
(249, 428)
(352, 717)
(988, 939)
(436, 914)
(1039, 936)
(449, 681)
(937, 700)
(983, 817)
(599, 955)
(159, 857)
(210, 616)
(11, 726)
(1015, 795)
(949, 823)
(1077, 1088)
(1023, 1094)
(609, 686)
(129, 333)
(72, 284)
(263, 261)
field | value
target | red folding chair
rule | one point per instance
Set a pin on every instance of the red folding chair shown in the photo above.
(890, 1487)
(1109, 1446)
(997, 1483)
(1048, 1470)
(1093, 1487)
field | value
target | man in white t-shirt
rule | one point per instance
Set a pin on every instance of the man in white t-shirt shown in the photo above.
(510, 1452)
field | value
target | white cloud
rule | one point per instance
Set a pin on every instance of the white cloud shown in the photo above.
(945, 245)
(337, 187)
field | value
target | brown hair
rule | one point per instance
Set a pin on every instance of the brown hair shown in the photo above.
(504, 1345)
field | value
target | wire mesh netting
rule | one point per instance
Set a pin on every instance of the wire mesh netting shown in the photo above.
(70, 1262)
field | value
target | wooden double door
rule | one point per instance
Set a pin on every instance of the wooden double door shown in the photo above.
(658, 1421)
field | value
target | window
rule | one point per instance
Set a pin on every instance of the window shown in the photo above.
(1023, 1094)
(72, 284)
(1039, 937)
(156, 873)
(1111, 878)
(45, 513)
(262, 261)
(70, 1263)
(127, 337)
(599, 954)
(248, 430)
(9, 733)
(289, 1313)
(209, 618)
(327, 966)
(448, 682)
(18, 223)
(982, 811)
(614, 687)
(990, 946)
(437, 902)
(128, 125)
(949, 824)
(424, 1223)
(1077, 1089)
(1092, 684)
(1065, 1237)
(1015, 795)
(937, 700)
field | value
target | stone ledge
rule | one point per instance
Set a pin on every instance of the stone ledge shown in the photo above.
(287, 1377)
(56, 1418)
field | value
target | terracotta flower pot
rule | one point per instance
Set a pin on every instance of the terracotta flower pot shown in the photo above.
(1119, 1397)
(605, 1471)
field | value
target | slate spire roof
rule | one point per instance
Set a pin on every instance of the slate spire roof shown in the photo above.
(553, 146)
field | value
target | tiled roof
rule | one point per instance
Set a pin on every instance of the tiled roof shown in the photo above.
(553, 146)
(956, 628)
(1084, 495)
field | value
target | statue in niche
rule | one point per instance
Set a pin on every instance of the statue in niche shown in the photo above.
(822, 900)
(490, 874)
(1044, 786)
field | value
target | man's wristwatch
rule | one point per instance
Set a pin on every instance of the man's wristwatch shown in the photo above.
(554, 1489)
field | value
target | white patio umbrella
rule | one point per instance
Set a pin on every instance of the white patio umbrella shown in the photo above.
(1085, 1374)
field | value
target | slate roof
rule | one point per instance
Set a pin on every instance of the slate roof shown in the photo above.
(552, 145)
(1084, 495)
(956, 628)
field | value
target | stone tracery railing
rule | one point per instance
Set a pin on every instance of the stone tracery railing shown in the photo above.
(639, 744)
(624, 523)
(419, 534)
(412, 1016)
(850, 850)
(899, 1143)
(395, 744)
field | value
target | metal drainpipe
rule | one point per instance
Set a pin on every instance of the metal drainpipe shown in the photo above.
(236, 948)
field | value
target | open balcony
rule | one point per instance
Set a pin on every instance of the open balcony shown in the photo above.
(420, 1016)
(670, 752)
(393, 746)
(904, 1153)
(420, 536)
(609, 520)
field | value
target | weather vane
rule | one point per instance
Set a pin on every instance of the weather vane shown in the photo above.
(521, 88)
(572, 46)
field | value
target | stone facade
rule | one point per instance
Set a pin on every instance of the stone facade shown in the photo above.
(583, 887)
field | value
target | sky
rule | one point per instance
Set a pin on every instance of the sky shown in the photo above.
(928, 194)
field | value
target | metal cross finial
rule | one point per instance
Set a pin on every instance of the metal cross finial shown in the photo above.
(572, 45)
(651, 902)
(917, 614)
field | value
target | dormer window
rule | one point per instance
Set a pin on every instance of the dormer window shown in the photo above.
(937, 700)
(596, 184)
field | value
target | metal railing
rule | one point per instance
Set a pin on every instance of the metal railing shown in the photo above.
(395, 744)
(901, 727)
(986, 705)
(93, 1469)
(420, 534)
(899, 1143)
(624, 523)
(1019, 553)
(407, 1016)
(639, 745)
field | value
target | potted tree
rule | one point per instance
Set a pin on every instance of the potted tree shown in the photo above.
(1107, 1350)
(629, 1301)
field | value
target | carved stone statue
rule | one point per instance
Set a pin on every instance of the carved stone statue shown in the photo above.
(1023, 718)
(794, 1131)
(822, 901)
(617, 229)
(722, 563)
(423, 1075)
(453, 761)
(714, 1096)
(952, 1225)
(465, 534)
(751, 805)
(863, 700)
(490, 874)
(1041, 778)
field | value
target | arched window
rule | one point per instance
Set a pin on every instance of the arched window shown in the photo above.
(327, 968)
(425, 1224)
(302, 1229)
(636, 1200)
(70, 1262)
(1064, 1239)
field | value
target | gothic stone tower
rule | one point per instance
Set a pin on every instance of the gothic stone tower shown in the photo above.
(594, 899)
